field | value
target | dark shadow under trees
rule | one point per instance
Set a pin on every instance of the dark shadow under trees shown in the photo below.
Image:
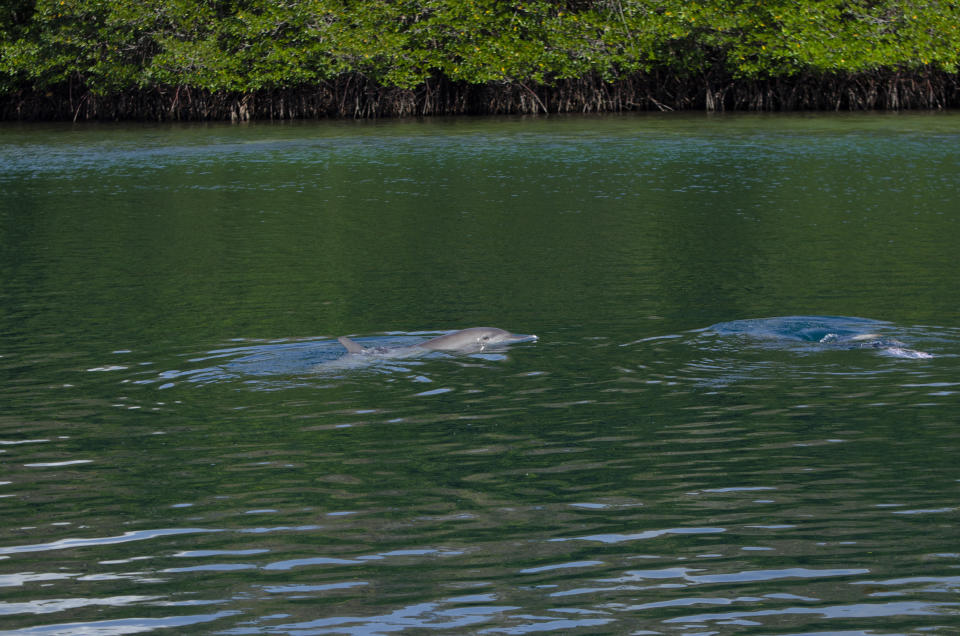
(353, 96)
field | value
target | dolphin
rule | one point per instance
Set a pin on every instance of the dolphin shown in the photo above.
(890, 346)
(466, 340)
(840, 332)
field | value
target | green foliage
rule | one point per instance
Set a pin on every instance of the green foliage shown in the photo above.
(110, 46)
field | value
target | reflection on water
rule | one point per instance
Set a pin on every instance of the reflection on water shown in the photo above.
(181, 450)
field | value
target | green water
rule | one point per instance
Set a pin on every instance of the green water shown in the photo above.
(184, 446)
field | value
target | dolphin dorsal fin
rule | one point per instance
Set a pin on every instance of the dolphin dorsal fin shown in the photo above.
(351, 346)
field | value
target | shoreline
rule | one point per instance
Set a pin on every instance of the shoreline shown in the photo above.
(355, 97)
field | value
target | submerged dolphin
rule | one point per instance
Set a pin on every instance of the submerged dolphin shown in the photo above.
(830, 331)
(466, 340)
(874, 341)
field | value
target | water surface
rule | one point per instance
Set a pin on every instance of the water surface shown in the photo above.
(184, 447)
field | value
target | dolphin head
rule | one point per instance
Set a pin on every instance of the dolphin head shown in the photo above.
(475, 339)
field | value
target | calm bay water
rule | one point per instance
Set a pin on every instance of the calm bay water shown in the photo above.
(184, 447)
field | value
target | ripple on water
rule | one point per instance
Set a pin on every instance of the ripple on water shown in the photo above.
(680, 483)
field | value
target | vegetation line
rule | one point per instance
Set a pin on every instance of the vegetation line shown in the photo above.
(269, 59)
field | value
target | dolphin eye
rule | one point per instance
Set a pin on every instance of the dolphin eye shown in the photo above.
(486, 337)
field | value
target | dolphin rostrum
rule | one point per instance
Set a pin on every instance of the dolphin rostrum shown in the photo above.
(473, 339)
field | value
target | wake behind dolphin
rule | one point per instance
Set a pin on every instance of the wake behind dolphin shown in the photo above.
(834, 332)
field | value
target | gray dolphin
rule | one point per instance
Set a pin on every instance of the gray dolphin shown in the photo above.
(466, 340)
